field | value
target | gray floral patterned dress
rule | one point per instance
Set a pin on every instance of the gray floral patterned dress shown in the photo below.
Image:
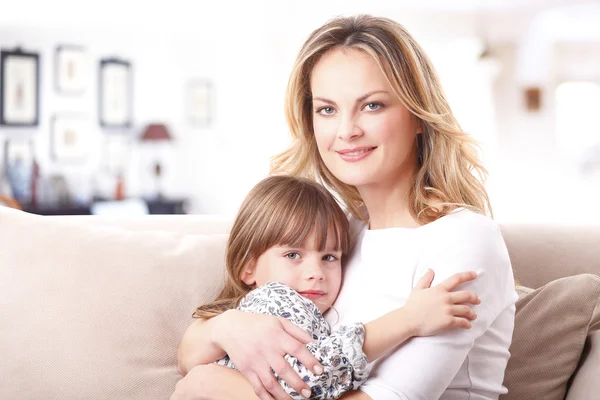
(340, 352)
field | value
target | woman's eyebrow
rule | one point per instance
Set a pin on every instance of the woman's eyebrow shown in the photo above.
(359, 100)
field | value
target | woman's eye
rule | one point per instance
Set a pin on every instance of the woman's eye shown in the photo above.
(330, 257)
(293, 256)
(325, 110)
(373, 106)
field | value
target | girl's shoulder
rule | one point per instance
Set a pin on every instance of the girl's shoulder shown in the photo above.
(275, 298)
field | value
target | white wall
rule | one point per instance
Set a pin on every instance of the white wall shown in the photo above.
(247, 50)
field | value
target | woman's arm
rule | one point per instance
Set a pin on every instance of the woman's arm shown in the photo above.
(199, 346)
(424, 367)
(428, 311)
(213, 382)
(255, 343)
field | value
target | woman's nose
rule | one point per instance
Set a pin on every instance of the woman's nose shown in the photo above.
(349, 129)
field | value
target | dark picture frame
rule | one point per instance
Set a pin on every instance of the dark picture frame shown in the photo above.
(70, 138)
(70, 69)
(19, 88)
(115, 94)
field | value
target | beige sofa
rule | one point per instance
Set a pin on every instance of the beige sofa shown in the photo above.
(94, 308)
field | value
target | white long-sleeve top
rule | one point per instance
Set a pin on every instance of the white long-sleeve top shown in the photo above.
(381, 272)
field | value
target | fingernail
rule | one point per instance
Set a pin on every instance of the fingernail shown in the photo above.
(306, 393)
(318, 369)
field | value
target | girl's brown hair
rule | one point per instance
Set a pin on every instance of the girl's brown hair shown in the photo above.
(450, 173)
(279, 210)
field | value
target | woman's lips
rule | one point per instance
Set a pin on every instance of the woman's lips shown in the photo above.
(356, 154)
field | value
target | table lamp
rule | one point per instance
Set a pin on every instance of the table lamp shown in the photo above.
(156, 133)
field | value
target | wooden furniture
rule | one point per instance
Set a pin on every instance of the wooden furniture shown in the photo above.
(155, 206)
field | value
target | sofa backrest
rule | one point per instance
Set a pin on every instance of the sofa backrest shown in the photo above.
(539, 253)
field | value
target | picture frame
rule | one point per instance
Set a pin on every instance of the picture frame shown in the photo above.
(115, 93)
(71, 69)
(19, 88)
(70, 138)
(199, 102)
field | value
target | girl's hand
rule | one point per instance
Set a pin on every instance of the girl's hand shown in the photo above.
(436, 309)
(258, 343)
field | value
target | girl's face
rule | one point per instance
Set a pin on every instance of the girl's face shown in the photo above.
(316, 275)
(364, 134)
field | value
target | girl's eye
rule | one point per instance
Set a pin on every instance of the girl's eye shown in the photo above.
(325, 110)
(293, 256)
(330, 257)
(373, 106)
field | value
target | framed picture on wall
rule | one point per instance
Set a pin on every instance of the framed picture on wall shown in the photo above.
(70, 138)
(71, 70)
(19, 88)
(199, 102)
(115, 93)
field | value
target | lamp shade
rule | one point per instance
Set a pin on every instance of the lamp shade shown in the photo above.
(156, 132)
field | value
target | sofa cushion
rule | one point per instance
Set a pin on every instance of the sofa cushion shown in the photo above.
(92, 312)
(551, 327)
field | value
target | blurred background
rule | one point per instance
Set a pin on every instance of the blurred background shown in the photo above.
(176, 107)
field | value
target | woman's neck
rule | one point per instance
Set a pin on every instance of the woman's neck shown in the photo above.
(388, 205)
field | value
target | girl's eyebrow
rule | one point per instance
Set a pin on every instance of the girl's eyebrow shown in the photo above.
(359, 100)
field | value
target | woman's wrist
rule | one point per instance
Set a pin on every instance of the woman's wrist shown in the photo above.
(221, 327)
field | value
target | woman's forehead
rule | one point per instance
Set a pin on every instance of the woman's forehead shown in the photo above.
(348, 73)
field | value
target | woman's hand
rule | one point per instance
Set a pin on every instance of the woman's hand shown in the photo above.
(436, 309)
(258, 343)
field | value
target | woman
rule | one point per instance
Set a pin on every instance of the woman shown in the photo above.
(370, 121)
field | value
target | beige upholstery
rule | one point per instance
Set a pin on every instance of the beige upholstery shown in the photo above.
(94, 308)
(551, 327)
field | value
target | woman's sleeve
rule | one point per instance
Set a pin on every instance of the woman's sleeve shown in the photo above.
(424, 367)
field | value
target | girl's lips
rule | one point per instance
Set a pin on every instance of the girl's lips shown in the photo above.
(312, 294)
(357, 154)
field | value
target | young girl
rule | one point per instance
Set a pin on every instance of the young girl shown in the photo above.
(284, 258)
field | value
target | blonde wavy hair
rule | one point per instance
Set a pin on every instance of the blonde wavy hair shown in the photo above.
(279, 210)
(450, 174)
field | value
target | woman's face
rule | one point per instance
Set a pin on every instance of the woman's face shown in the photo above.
(365, 135)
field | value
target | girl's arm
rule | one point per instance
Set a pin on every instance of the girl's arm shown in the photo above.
(424, 367)
(428, 311)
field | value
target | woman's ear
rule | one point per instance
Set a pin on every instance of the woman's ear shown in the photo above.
(248, 274)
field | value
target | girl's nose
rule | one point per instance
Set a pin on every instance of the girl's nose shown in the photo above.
(315, 272)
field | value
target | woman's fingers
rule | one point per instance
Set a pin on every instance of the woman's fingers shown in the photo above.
(258, 386)
(464, 297)
(269, 386)
(458, 279)
(295, 331)
(291, 377)
(299, 350)
(426, 279)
